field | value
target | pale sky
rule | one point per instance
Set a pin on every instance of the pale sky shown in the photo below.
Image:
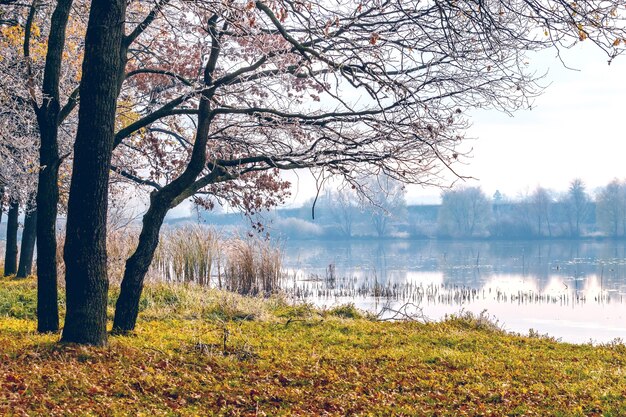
(576, 129)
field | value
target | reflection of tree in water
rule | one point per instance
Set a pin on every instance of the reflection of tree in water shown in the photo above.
(381, 261)
(468, 263)
(538, 259)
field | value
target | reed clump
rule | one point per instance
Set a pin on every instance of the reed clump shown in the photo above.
(251, 266)
(199, 255)
(187, 254)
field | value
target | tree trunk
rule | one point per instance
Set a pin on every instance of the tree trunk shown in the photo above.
(10, 254)
(85, 255)
(47, 187)
(47, 201)
(127, 306)
(29, 236)
(1, 201)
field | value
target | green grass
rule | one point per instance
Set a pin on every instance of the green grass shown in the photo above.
(204, 352)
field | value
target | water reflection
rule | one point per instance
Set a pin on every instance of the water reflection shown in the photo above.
(572, 290)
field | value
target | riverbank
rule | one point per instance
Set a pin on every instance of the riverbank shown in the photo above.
(204, 352)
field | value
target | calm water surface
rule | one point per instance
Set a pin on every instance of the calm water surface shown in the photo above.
(575, 291)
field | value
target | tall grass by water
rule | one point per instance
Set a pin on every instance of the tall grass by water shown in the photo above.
(200, 255)
(252, 267)
(187, 254)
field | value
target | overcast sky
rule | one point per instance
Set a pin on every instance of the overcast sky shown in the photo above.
(576, 129)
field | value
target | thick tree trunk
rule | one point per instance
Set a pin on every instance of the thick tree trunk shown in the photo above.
(27, 249)
(127, 306)
(10, 254)
(85, 244)
(47, 187)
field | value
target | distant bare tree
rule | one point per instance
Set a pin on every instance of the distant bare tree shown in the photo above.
(464, 212)
(385, 201)
(611, 208)
(344, 204)
(540, 204)
(577, 206)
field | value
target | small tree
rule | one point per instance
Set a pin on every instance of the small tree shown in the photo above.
(29, 237)
(577, 205)
(540, 204)
(10, 253)
(385, 201)
(611, 208)
(465, 212)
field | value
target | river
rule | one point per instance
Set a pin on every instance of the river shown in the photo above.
(571, 290)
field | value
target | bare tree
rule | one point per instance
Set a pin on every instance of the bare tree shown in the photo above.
(385, 201)
(611, 208)
(40, 85)
(464, 212)
(391, 80)
(540, 204)
(577, 206)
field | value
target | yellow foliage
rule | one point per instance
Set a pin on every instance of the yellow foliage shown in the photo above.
(582, 35)
(12, 41)
(125, 115)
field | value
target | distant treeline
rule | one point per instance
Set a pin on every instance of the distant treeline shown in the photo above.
(465, 212)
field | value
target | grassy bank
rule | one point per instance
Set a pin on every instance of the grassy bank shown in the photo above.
(202, 352)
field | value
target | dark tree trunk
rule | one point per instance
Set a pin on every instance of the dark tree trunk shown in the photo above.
(29, 236)
(1, 202)
(47, 199)
(10, 254)
(85, 244)
(127, 306)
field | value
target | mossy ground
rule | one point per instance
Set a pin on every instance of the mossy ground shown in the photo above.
(202, 352)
